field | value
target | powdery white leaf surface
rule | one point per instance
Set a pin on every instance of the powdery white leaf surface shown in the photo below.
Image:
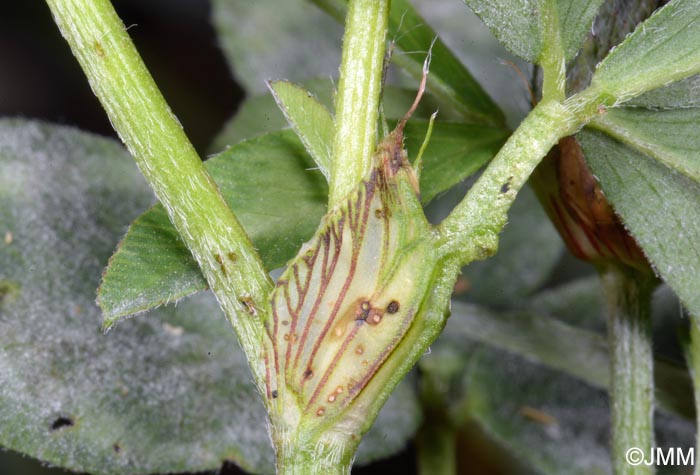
(553, 421)
(169, 392)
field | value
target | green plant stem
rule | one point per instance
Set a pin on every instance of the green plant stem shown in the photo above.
(314, 458)
(552, 58)
(167, 159)
(436, 448)
(471, 230)
(692, 356)
(359, 91)
(436, 440)
(628, 297)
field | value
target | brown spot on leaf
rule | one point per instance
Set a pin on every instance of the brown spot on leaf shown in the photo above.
(308, 374)
(321, 411)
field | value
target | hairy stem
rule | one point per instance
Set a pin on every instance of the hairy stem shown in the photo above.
(315, 458)
(628, 296)
(359, 91)
(167, 159)
(471, 230)
(552, 59)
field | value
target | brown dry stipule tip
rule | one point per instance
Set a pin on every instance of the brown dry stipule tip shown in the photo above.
(421, 88)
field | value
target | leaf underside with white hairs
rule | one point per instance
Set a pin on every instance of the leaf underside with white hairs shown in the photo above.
(345, 303)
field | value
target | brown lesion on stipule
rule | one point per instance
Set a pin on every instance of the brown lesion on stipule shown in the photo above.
(335, 394)
(367, 313)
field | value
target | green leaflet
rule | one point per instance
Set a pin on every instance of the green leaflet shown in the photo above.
(152, 266)
(669, 136)
(661, 50)
(455, 152)
(680, 94)
(345, 303)
(657, 204)
(311, 121)
(615, 21)
(662, 124)
(528, 27)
